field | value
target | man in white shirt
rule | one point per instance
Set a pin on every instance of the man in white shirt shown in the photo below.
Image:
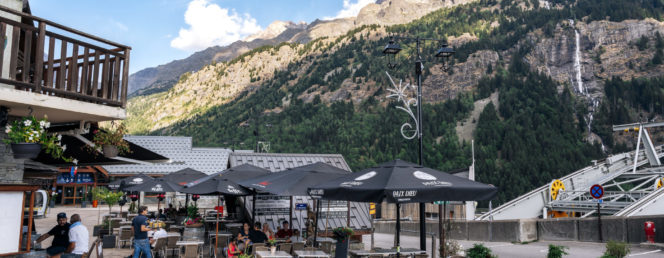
(78, 238)
(159, 233)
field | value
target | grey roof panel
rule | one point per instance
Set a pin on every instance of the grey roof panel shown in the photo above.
(180, 151)
(274, 162)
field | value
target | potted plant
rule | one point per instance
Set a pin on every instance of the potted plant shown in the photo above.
(111, 198)
(110, 141)
(28, 137)
(193, 219)
(272, 243)
(342, 235)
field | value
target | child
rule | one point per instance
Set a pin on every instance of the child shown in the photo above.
(233, 250)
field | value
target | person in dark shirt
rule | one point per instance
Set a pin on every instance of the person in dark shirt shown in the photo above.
(284, 232)
(140, 226)
(60, 235)
(162, 216)
(256, 235)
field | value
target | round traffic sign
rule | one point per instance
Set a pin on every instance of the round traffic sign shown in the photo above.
(596, 191)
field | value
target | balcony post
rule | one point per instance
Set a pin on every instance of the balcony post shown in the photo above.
(125, 78)
(39, 56)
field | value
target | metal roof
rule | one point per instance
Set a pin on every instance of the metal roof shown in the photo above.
(359, 219)
(280, 161)
(180, 151)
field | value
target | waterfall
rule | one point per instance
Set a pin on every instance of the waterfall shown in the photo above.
(577, 64)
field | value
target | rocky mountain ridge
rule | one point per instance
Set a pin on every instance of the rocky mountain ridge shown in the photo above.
(162, 77)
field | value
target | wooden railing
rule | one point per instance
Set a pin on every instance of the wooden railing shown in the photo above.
(75, 66)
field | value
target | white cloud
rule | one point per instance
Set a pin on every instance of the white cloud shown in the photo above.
(211, 25)
(119, 25)
(350, 9)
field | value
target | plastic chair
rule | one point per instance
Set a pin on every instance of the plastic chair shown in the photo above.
(171, 244)
(159, 247)
(191, 251)
(285, 247)
(297, 246)
(125, 236)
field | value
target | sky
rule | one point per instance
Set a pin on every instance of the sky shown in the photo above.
(159, 31)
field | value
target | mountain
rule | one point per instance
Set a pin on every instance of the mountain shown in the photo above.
(163, 77)
(550, 78)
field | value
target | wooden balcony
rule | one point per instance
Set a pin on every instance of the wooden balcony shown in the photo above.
(51, 59)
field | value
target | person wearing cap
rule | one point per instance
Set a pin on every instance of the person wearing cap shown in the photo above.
(60, 235)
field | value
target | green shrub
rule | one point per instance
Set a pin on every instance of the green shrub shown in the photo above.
(479, 251)
(556, 251)
(616, 250)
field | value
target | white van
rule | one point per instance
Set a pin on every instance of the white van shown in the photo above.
(41, 200)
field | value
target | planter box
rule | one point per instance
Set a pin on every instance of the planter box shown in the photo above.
(26, 150)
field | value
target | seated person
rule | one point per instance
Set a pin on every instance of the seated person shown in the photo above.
(60, 235)
(232, 250)
(159, 233)
(161, 216)
(268, 231)
(256, 235)
(243, 237)
(295, 237)
(285, 232)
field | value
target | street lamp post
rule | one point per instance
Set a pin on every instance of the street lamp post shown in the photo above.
(445, 53)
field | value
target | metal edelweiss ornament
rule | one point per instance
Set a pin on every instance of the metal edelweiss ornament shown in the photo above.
(399, 92)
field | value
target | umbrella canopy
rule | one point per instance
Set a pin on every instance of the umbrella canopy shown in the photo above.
(216, 186)
(77, 147)
(156, 185)
(184, 176)
(401, 182)
(295, 181)
(234, 174)
(123, 183)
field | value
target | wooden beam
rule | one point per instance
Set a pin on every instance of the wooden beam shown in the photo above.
(13, 56)
(39, 57)
(30, 218)
(27, 52)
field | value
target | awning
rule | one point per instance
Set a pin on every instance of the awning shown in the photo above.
(76, 148)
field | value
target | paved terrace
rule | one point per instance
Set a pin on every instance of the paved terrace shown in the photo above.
(502, 249)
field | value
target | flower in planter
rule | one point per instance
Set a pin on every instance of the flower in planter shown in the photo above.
(31, 130)
(112, 136)
(342, 233)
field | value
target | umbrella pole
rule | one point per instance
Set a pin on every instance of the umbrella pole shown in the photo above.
(253, 208)
(398, 229)
(316, 223)
(216, 235)
(290, 214)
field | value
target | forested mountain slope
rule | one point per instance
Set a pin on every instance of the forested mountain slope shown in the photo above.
(564, 71)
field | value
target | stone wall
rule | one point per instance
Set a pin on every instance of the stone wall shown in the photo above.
(623, 229)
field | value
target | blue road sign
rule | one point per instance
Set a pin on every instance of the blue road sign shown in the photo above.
(596, 191)
(300, 206)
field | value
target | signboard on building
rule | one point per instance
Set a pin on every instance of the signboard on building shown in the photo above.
(267, 204)
(79, 178)
(335, 209)
(300, 206)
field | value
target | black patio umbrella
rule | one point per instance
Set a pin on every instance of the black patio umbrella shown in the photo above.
(184, 176)
(156, 185)
(234, 174)
(216, 186)
(402, 182)
(296, 182)
(123, 183)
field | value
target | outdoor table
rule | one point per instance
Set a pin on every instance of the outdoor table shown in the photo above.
(180, 228)
(170, 234)
(303, 253)
(125, 223)
(277, 254)
(233, 225)
(212, 236)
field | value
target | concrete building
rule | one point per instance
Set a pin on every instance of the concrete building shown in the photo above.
(74, 78)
